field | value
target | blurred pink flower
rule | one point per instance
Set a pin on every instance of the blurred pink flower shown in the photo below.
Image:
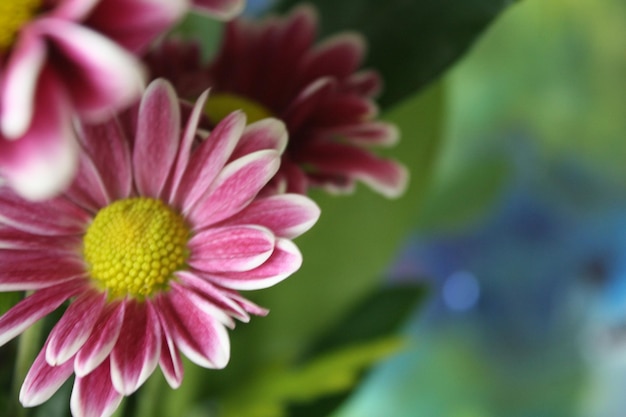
(272, 67)
(150, 245)
(61, 58)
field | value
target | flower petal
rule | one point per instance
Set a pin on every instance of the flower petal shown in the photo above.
(238, 183)
(286, 215)
(213, 294)
(285, 260)
(384, 176)
(74, 327)
(184, 150)
(200, 336)
(246, 304)
(221, 9)
(24, 270)
(170, 360)
(42, 162)
(157, 139)
(88, 189)
(235, 248)
(15, 239)
(136, 352)
(108, 148)
(94, 395)
(102, 339)
(308, 101)
(98, 73)
(134, 24)
(43, 380)
(34, 307)
(338, 56)
(54, 217)
(367, 133)
(265, 134)
(209, 158)
(19, 81)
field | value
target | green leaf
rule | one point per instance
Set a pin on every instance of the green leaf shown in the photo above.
(207, 31)
(467, 196)
(268, 392)
(410, 42)
(379, 314)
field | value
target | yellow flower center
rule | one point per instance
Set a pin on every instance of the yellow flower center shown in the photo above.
(134, 246)
(220, 105)
(13, 15)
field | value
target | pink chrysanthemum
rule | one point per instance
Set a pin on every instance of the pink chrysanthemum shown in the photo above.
(271, 67)
(59, 58)
(150, 244)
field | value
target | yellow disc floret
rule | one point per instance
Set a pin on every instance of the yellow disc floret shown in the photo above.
(13, 15)
(221, 105)
(134, 246)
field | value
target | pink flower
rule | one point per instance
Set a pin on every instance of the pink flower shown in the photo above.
(271, 67)
(61, 58)
(220, 9)
(151, 245)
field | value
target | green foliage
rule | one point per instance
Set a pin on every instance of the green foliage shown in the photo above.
(410, 42)
(266, 394)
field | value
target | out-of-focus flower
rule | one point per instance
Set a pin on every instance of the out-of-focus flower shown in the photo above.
(272, 67)
(61, 58)
(220, 9)
(150, 244)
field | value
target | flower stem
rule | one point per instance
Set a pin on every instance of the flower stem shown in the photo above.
(28, 347)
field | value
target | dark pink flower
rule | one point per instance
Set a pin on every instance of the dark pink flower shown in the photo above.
(272, 67)
(151, 245)
(59, 59)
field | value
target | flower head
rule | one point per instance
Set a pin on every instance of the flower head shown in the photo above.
(63, 58)
(272, 68)
(150, 245)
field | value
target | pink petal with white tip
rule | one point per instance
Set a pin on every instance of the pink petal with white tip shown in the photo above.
(366, 83)
(338, 56)
(157, 139)
(138, 347)
(246, 304)
(24, 270)
(238, 183)
(74, 327)
(209, 158)
(53, 217)
(170, 361)
(102, 75)
(220, 9)
(102, 339)
(366, 134)
(235, 248)
(286, 215)
(285, 260)
(34, 307)
(43, 380)
(385, 176)
(93, 395)
(213, 294)
(265, 134)
(19, 82)
(201, 337)
(42, 162)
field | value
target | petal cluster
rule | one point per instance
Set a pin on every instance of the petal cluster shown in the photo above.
(240, 241)
(70, 58)
(318, 90)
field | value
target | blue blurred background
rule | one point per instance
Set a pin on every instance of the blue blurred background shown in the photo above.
(527, 313)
